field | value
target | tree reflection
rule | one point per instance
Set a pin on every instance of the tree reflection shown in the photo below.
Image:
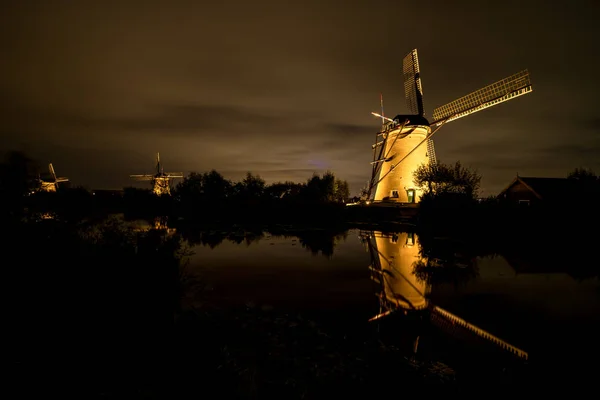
(444, 261)
(436, 271)
(208, 238)
(321, 242)
(317, 242)
(246, 237)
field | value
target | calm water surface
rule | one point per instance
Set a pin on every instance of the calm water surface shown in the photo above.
(357, 276)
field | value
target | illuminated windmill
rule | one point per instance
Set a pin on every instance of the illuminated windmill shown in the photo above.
(399, 149)
(52, 184)
(161, 181)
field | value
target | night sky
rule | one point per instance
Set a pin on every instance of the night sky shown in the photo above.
(285, 88)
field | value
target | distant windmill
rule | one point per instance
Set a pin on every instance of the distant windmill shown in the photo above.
(398, 149)
(161, 181)
(52, 184)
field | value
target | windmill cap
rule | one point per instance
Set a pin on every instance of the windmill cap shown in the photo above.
(412, 119)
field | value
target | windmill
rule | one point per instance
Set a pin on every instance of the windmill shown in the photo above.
(161, 181)
(52, 184)
(405, 142)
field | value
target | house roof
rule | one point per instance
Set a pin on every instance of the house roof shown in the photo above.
(544, 187)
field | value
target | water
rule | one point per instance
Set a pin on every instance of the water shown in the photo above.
(353, 277)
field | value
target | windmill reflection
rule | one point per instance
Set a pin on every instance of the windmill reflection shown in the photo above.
(399, 290)
(393, 257)
(404, 277)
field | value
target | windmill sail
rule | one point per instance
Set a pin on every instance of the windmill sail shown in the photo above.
(161, 181)
(507, 89)
(413, 90)
(52, 184)
(431, 152)
(142, 177)
(52, 173)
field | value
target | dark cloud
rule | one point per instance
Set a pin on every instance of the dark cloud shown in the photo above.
(287, 87)
(350, 129)
(590, 122)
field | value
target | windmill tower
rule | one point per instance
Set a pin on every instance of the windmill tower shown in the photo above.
(405, 142)
(161, 181)
(52, 184)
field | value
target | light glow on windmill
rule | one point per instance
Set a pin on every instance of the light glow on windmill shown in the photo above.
(398, 150)
(51, 185)
(161, 181)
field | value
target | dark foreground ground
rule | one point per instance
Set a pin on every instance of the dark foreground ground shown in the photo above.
(255, 352)
(258, 352)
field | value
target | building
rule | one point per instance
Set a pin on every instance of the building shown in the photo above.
(530, 190)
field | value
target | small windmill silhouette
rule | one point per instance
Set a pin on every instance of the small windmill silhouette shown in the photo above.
(52, 184)
(161, 181)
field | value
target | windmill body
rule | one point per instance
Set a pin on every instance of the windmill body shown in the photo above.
(394, 257)
(399, 186)
(52, 184)
(405, 142)
(161, 181)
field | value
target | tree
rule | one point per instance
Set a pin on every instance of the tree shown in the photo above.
(251, 189)
(587, 182)
(283, 190)
(18, 175)
(215, 187)
(18, 179)
(342, 191)
(326, 189)
(444, 179)
(189, 187)
(363, 194)
(583, 174)
(209, 186)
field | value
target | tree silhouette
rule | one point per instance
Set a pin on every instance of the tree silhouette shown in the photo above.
(440, 179)
(250, 190)
(583, 174)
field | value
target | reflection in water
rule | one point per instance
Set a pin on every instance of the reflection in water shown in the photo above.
(442, 262)
(405, 276)
(321, 241)
(156, 224)
(393, 258)
(316, 241)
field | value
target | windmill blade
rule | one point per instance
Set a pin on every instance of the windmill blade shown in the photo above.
(382, 117)
(52, 173)
(431, 152)
(142, 177)
(62, 180)
(506, 89)
(413, 90)
(158, 168)
(174, 174)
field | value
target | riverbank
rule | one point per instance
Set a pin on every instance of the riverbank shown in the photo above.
(262, 352)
